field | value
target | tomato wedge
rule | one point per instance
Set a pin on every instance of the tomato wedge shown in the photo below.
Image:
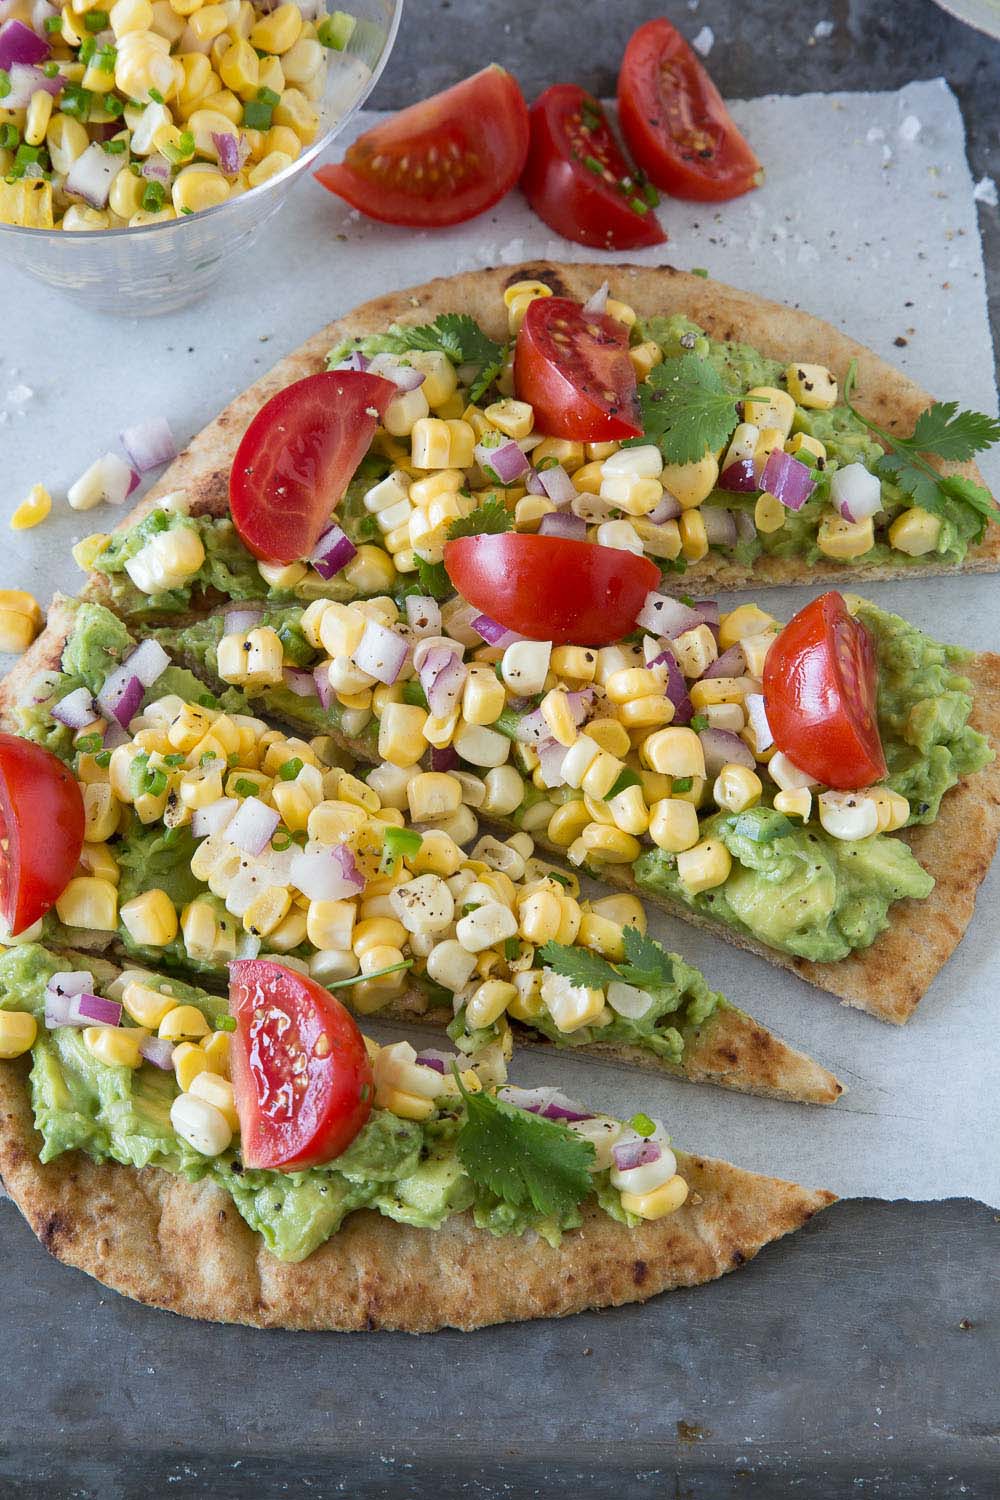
(297, 457)
(550, 588)
(41, 830)
(573, 368)
(576, 178)
(439, 162)
(301, 1075)
(821, 695)
(675, 122)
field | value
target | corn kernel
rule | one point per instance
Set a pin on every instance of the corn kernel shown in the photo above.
(183, 1022)
(673, 825)
(89, 902)
(842, 539)
(189, 1060)
(666, 1199)
(705, 866)
(745, 620)
(210, 1086)
(812, 386)
(675, 752)
(767, 406)
(737, 788)
(116, 1046)
(915, 532)
(18, 1030)
(146, 1006)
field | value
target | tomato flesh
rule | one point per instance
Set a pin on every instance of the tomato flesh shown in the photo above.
(821, 695)
(441, 161)
(675, 122)
(41, 831)
(550, 588)
(297, 458)
(301, 1074)
(576, 178)
(574, 370)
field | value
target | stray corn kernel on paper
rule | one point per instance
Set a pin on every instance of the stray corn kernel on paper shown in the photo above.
(864, 223)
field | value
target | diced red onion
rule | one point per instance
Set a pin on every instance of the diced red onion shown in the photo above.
(242, 620)
(666, 616)
(148, 662)
(206, 821)
(76, 710)
(442, 676)
(720, 526)
(787, 479)
(404, 377)
(494, 634)
(548, 1102)
(56, 1010)
(441, 1062)
(709, 611)
(253, 826)
(532, 729)
(423, 615)
(580, 703)
(299, 682)
(228, 150)
(156, 169)
(667, 510)
(90, 178)
(26, 80)
(757, 714)
(739, 477)
(41, 12)
(676, 687)
(354, 361)
(60, 991)
(327, 874)
(148, 444)
(115, 734)
(506, 461)
(563, 523)
(598, 302)
(19, 44)
(557, 484)
(332, 552)
(159, 1051)
(638, 1153)
(321, 677)
(731, 663)
(723, 748)
(382, 653)
(93, 1010)
(444, 758)
(116, 479)
(121, 695)
(533, 482)
(855, 493)
(550, 761)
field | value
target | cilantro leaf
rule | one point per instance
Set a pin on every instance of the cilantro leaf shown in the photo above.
(647, 965)
(487, 375)
(490, 519)
(455, 334)
(952, 434)
(523, 1159)
(578, 965)
(967, 492)
(433, 579)
(914, 478)
(686, 409)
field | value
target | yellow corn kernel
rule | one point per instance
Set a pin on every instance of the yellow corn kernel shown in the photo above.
(400, 734)
(210, 1086)
(189, 1060)
(770, 440)
(812, 386)
(22, 603)
(632, 682)
(555, 710)
(539, 917)
(38, 116)
(574, 663)
(66, 139)
(483, 697)
(89, 902)
(438, 855)
(567, 822)
(97, 860)
(914, 532)
(378, 933)
(629, 811)
(769, 514)
(691, 483)
(146, 1006)
(28, 203)
(515, 418)
(130, 15)
(18, 1030)
(272, 76)
(198, 187)
(673, 825)
(714, 690)
(517, 299)
(745, 620)
(842, 539)
(489, 1002)
(694, 538)
(330, 924)
(610, 736)
(705, 866)
(893, 810)
(767, 406)
(645, 357)
(267, 911)
(279, 31)
(565, 451)
(654, 785)
(623, 910)
(182, 1023)
(646, 713)
(273, 163)
(602, 935)
(295, 111)
(528, 1004)
(101, 809)
(795, 804)
(116, 1046)
(406, 1106)
(674, 752)
(209, 22)
(216, 1049)
(528, 512)
(666, 1199)
(16, 631)
(610, 845)
(151, 918)
(737, 788)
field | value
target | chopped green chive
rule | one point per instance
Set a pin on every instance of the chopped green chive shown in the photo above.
(642, 1125)
(53, 23)
(244, 787)
(87, 49)
(397, 842)
(638, 206)
(156, 96)
(699, 271)
(281, 841)
(233, 759)
(511, 949)
(257, 115)
(290, 769)
(699, 722)
(224, 1023)
(177, 759)
(113, 105)
(114, 148)
(560, 878)
(336, 30)
(152, 198)
(76, 102)
(593, 165)
(88, 744)
(50, 69)
(10, 137)
(268, 96)
(683, 784)
(207, 759)
(96, 20)
(625, 780)
(172, 836)
(5, 84)
(103, 759)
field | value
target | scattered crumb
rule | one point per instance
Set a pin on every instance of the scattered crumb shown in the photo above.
(985, 191)
(966, 1324)
(823, 29)
(704, 41)
(876, 133)
(910, 128)
(19, 394)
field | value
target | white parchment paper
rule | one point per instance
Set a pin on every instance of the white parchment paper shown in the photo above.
(867, 218)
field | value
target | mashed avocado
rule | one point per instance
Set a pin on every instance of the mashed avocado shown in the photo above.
(404, 1170)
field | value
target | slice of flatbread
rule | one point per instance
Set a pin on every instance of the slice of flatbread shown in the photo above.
(183, 1246)
(883, 394)
(731, 1049)
(888, 979)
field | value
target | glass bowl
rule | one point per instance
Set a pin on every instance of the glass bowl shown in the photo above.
(160, 267)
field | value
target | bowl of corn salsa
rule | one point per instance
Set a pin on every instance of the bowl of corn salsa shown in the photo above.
(143, 142)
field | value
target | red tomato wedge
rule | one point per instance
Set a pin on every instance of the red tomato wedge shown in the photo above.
(297, 458)
(41, 830)
(821, 695)
(675, 122)
(573, 368)
(550, 588)
(576, 178)
(301, 1075)
(439, 162)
